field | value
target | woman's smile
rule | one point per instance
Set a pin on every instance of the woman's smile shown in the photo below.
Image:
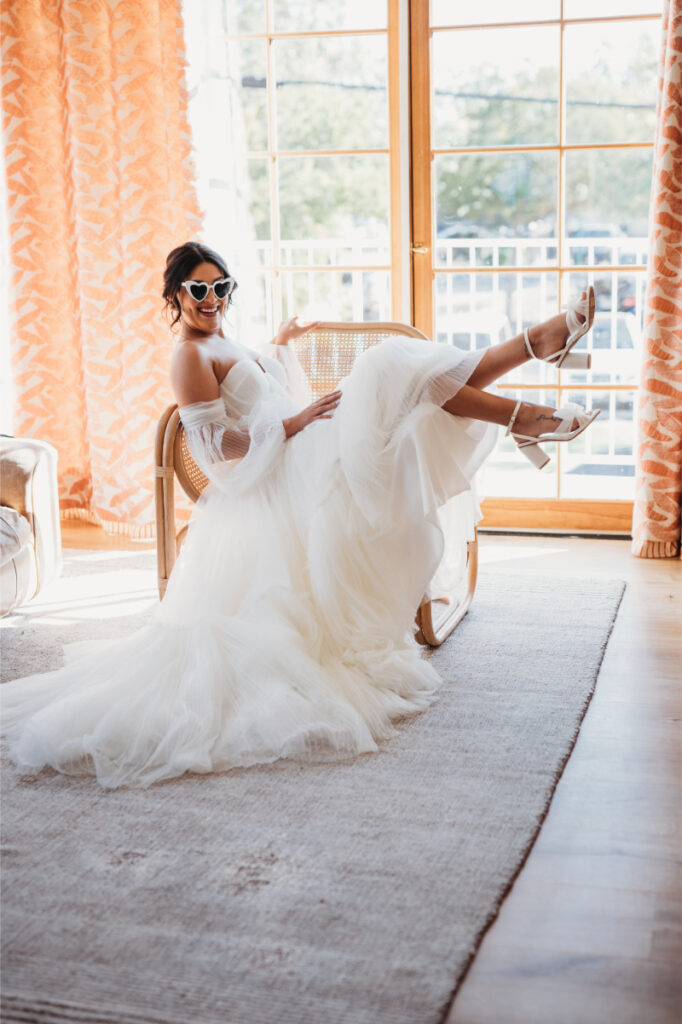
(207, 311)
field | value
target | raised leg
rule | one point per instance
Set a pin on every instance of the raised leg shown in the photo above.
(481, 405)
(498, 360)
(546, 338)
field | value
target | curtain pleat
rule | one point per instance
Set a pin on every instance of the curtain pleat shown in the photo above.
(100, 186)
(656, 519)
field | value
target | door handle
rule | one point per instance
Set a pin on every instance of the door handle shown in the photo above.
(419, 247)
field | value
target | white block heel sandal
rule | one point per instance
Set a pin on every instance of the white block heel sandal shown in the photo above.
(564, 357)
(530, 446)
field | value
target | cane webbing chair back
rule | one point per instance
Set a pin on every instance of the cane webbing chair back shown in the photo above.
(328, 353)
(326, 356)
(190, 477)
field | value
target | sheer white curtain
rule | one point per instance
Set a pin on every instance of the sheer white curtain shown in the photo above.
(217, 122)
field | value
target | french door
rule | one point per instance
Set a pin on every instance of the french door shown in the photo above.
(468, 167)
(296, 116)
(531, 147)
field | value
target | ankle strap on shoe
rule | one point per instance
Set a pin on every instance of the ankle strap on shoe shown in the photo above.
(529, 347)
(512, 421)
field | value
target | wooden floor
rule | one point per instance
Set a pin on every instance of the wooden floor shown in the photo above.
(591, 931)
(76, 533)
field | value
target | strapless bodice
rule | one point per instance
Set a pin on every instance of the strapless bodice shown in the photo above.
(249, 381)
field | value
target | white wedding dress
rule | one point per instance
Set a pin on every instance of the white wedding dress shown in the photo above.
(287, 629)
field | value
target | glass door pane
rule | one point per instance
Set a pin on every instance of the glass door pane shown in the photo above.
(532, 172)
(291, 110)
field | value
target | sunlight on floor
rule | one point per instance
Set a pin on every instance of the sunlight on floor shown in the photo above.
(109, 594)
(507, 552)
(107, 588)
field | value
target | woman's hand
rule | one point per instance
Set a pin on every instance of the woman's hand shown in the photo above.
(322, 409)
(291, 329)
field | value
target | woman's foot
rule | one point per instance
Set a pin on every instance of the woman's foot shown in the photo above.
(533, 420)
(530, 424)
(553, 340)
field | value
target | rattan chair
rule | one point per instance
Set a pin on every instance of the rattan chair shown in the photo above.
(326, 355)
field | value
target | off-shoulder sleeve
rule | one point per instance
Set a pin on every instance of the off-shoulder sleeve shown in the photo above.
(297, 384)
(234, 454)
(210, 437)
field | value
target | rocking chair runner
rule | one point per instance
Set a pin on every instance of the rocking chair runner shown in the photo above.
(326, 355)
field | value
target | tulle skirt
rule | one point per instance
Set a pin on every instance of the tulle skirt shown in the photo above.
(287, 629)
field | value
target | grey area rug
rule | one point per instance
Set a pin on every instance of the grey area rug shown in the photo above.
(351, 893)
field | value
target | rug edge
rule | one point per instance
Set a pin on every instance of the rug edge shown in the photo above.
(478, 940)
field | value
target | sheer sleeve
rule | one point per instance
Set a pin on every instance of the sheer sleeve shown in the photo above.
(210, 437)
(234, 454)
(297, 384)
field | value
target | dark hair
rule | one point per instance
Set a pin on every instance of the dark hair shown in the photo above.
(179, 264)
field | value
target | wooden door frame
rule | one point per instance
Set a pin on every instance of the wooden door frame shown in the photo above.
(421, 219)
(557, 515)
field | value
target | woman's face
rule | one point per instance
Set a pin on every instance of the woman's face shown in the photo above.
(204, 316)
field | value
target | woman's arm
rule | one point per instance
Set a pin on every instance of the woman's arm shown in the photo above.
(212, 440)
(192, 377)
(297, 383)
(210, 436)
(291, 329)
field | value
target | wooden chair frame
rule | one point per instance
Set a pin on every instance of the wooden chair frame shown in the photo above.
(436, 618)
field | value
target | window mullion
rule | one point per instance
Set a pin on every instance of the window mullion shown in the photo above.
(561, 212)
(271, 85)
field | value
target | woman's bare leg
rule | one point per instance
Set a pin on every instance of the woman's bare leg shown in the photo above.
(545, 338)
(481, 405)
(473, 402)
(498, 360)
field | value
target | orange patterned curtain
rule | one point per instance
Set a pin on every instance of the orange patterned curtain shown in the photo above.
(656, 523)
(99, 189)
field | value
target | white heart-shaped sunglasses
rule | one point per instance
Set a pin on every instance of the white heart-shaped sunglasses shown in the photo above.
(222, 288)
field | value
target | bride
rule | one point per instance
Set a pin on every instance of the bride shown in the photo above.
(287, 626)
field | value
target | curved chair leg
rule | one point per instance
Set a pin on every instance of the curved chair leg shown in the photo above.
(164, 491)
(432, 633)
(180, 539)
(165, 524)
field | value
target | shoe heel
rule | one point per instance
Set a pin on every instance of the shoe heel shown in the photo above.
(535, 455)
(577, 361)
